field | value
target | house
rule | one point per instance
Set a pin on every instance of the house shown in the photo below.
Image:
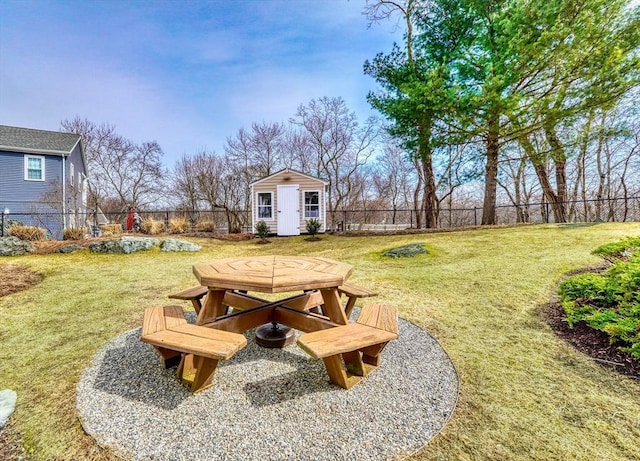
(43, 178)
(286, 200)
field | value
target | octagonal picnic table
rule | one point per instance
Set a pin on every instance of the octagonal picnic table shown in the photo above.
(344, 347)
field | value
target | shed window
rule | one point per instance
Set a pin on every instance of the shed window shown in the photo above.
(33, 168)
(312, 204)
(265, 205)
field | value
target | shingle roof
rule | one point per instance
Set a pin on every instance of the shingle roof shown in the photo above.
(37, 141)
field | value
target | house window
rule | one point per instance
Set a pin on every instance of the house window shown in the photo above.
(71, 173)
(33, 168)
(312, 204)
(265, 205)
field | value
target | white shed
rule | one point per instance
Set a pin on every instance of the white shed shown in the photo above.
(286, 200)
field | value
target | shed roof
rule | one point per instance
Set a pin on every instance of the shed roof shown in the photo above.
(287, 171)
(37, 141)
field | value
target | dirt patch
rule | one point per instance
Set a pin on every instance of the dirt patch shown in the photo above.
(17, 278)
(11, 446)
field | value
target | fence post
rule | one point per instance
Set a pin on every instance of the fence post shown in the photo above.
(546, 212)
(475, 216)
(411, 218)
(2, 231)
(166, 221)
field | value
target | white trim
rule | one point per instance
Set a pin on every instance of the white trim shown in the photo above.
(304, 204)
(26, 167)
(71, 174)
(289, 171)
(273, 214)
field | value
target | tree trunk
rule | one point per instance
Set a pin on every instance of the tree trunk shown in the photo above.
(491, 171)
(560, 162)
(430, 197)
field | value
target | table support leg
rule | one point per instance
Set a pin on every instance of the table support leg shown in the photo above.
(213, 307)
(333, 308)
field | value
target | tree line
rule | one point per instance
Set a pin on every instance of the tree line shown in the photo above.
(484, 101)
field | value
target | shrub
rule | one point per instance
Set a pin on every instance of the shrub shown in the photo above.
(608, 302)
(313, 226)
(262, 229)
(624, 249)
(178, 226)
(206, 226)
(151, 226)
(30, 233)
(111, 229)
(74, 233)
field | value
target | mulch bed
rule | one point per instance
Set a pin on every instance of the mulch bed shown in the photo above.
(594, 343)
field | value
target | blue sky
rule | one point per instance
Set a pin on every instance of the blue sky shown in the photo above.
(187, 74)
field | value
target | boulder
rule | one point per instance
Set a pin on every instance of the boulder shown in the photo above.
(178, 245)
(70, 248)
(7, 405)
(13, 246)
(124, 245)
(406, 251)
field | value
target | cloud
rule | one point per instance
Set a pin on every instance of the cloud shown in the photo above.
(187, 75)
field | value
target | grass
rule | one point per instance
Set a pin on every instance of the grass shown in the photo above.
(525, 394)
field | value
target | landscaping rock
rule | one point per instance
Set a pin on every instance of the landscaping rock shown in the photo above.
(13, 246)
(406, 251)
(124, 245)
(70, 248)
(179, 245)
(7, 405)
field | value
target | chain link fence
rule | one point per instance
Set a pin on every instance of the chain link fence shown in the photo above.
(377, 220)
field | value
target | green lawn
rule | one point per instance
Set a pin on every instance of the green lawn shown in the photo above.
(525, 394)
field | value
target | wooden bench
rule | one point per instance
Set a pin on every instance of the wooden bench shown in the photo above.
(199, 348)
(353, 292)
(354, 344)
(193, 294)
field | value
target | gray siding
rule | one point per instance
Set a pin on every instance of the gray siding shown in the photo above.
(21, 196)
(18, 194)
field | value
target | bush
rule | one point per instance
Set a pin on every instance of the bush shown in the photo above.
(74, 233)
(178, 226)
(30, 233)
(262, 229)
(206, 226)
(623, 249)
(111, 229)
(608, 302)
(151, 226)
(313, 226)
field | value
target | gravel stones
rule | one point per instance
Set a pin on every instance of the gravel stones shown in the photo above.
(275, 404)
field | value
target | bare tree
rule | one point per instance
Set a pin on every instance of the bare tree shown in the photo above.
(120, 170)
(341, 145)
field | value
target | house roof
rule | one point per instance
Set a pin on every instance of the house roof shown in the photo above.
(37, 141)
(287, 171)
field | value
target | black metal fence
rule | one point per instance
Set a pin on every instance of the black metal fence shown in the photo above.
(224, 221)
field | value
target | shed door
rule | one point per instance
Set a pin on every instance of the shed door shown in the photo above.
(288, 210)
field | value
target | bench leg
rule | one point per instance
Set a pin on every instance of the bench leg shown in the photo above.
(351, 302)
(196, 372)
(169, 357)
(371, 355)
(197, 305)
(338, 374)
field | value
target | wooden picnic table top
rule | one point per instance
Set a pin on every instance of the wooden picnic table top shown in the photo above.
(272, 274)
